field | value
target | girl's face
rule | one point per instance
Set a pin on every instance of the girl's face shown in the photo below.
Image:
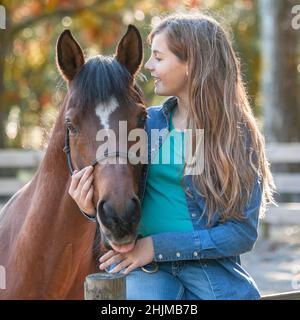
(170, 73)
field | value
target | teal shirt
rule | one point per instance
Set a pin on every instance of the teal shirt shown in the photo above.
(164, 208)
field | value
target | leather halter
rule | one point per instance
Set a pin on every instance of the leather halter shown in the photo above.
(106, 155)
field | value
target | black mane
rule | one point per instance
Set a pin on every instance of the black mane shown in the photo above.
(100, 78)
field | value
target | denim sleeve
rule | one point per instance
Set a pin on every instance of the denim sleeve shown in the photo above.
(231, 238)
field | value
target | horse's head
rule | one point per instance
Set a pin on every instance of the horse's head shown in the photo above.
(101, 92)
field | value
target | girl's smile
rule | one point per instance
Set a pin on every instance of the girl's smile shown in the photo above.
(169, 72)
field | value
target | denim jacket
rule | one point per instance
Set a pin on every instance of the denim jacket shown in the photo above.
(218, 247)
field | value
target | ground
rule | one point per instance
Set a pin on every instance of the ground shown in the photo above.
(275, 263)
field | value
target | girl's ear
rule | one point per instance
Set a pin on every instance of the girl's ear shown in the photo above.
(69, 55)
(130, 50)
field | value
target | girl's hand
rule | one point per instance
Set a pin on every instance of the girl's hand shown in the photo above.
(142, 254)
(82, 190)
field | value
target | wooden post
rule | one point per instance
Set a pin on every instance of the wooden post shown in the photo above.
(105, 286)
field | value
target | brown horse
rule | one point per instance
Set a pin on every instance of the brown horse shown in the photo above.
(46, 244)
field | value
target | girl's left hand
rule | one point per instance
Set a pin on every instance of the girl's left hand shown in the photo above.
(142, 254)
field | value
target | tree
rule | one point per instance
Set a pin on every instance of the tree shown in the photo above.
(280, 93)
(22, 16)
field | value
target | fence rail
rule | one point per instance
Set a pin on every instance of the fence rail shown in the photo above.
(14, 158)
(286, 183)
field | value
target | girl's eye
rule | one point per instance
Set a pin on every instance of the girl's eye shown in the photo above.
(158, 59)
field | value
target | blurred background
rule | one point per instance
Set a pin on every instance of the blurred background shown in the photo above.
(266, 36)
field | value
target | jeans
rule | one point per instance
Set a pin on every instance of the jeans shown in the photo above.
(177, 280)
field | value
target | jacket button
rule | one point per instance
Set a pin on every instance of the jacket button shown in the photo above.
(178, 254)
(195, 254)
(194, 215)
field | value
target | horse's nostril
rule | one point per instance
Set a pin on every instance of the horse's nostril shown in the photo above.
(134, 207)
(101, 206)
(103, 210)
(109, 216)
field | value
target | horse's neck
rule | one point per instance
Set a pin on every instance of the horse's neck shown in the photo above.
(52, 177)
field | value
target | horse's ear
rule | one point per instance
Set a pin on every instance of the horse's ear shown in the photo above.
(130, 50)
(69, 55)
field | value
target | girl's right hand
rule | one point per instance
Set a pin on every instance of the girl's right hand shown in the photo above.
(82, 190)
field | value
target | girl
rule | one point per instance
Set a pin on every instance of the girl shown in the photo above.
(194, 227)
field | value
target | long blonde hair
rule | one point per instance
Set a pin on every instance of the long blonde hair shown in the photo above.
(234, 148)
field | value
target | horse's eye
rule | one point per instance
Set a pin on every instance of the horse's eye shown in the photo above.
(71, 128)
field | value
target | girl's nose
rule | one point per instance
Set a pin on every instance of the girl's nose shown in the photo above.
(148, 65)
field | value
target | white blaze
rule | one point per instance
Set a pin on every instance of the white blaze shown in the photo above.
(105, 109)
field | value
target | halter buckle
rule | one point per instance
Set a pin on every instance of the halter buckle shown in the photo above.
(150, 268)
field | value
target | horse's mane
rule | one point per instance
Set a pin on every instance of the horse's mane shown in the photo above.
(100, 78)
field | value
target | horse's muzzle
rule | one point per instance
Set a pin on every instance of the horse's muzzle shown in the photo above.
(119, 228)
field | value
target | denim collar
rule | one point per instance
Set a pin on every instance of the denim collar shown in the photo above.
(168, 105)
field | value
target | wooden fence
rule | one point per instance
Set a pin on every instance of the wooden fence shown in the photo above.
(287, 213)
(13, 164)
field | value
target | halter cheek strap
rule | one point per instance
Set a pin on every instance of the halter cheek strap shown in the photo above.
(67, 151)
